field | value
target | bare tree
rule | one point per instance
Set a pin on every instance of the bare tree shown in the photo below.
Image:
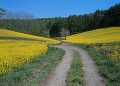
(9, 15)
(19, 15)
(2, 12)
(24, 15)
(64, 32)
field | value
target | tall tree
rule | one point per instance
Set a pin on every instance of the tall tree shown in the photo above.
(2, 12)
(112, 16)
(56, 29)
(97, 18)
(72, 24)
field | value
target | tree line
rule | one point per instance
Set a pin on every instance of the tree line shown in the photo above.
(27, 23)
(81, 23)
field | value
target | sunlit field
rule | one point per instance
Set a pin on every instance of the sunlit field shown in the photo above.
(7, 34)
(104, 35)
(110, 50)
(105, 40)
(16, 49)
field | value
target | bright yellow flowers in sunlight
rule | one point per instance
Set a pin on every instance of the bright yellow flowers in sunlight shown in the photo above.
(105, 35)
(17, 49)
(12, 34)
(112, 51)
(15, 53)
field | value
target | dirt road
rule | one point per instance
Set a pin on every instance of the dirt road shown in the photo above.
(59, 76)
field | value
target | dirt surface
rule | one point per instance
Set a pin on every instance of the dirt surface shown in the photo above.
(59, 76)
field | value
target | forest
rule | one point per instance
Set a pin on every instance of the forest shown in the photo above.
(59, 26)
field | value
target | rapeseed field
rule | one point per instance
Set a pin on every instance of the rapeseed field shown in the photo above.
(110, 50)
(102, 40)
(104, 35)
(14, 51)
(6, 34)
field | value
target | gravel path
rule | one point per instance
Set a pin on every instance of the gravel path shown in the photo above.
(59, 76)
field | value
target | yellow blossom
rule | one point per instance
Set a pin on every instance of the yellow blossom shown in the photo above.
(105, 35)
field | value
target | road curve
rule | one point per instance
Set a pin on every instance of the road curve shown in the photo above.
(59, 75)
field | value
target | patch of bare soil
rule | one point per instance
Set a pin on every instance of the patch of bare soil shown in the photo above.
(40, 67)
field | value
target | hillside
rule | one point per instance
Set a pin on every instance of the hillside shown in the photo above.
(19, 48)
(103, 35)
(8, 34)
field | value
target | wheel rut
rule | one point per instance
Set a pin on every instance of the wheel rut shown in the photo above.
(59, 75)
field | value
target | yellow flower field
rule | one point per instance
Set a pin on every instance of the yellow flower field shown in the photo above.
(9, 34)
(15, 52)
(105, 35)
(111, 50)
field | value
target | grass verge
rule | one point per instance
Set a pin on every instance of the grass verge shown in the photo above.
(75, 74)
(26, 74)
(109, 69)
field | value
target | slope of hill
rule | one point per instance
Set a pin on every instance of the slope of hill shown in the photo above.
(8, 34)
(103, 35)
(17, 49)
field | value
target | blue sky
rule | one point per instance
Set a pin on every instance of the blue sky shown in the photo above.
(56, 8)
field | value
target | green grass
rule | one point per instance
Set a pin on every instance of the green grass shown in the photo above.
(21, 38)
(57, 38)
(25, 72)
(75, 74)
(109, 69)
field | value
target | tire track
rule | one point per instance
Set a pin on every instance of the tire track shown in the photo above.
(91, 76)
